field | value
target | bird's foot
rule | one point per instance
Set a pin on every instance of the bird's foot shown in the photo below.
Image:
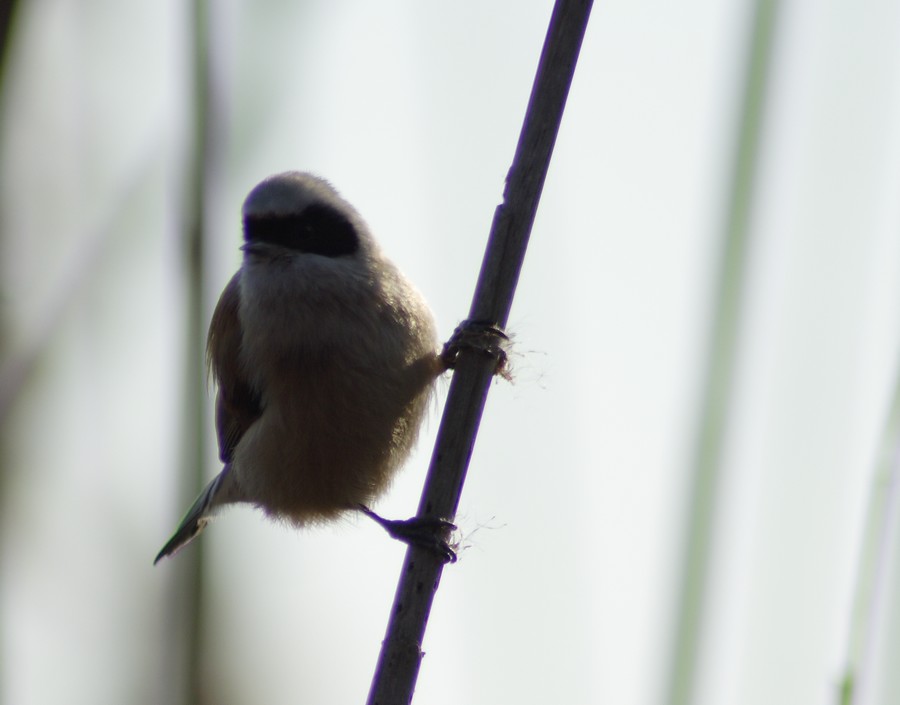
(481, 336)
(424, 532)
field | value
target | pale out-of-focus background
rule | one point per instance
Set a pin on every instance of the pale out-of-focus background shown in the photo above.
(584, 579)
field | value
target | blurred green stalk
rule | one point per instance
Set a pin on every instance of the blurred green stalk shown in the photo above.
(716, 401)
(188, 589)
(872, 578)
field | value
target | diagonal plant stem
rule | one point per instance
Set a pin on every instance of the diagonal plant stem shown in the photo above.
(401, 652)
(871, 598)
(18, 363)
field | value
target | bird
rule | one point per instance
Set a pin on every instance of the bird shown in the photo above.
(324, 356)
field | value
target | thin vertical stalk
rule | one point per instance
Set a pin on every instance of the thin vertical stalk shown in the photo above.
(401, 653)
(7, 8)
(188, 584)
(715, 406)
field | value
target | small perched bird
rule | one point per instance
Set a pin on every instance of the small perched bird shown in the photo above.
(324, 355)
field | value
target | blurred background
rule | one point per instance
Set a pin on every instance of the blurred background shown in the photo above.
(689, 492)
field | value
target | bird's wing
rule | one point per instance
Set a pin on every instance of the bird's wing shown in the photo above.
(237, 404)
